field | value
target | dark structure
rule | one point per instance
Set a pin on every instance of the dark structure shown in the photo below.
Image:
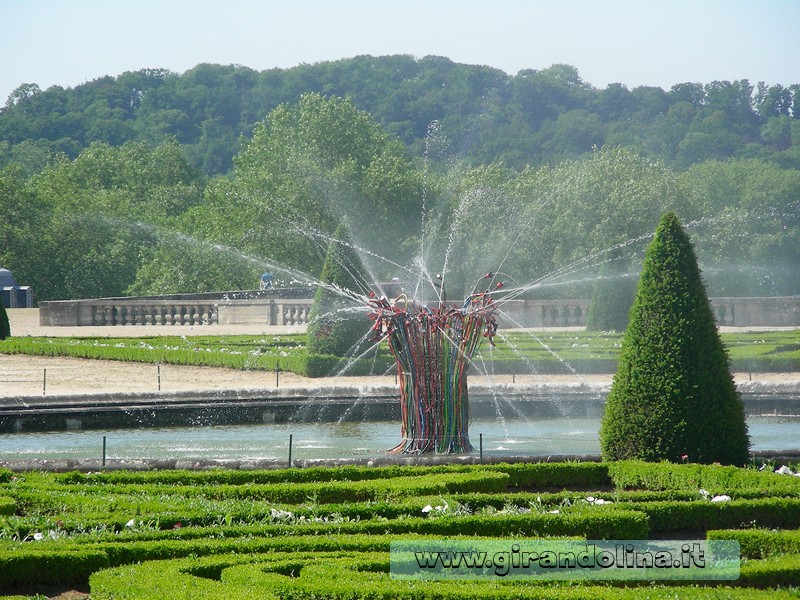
(12, 294)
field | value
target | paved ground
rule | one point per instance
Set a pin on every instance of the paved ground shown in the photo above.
(28, 375)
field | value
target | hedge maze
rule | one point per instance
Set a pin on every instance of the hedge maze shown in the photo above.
(326, 532)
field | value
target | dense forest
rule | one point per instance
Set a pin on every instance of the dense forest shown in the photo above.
(530, 119)
(156, 182)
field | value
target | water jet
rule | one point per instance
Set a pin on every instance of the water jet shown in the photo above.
(432, 348)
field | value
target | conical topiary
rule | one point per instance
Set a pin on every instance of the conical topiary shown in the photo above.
(673, 396)
(5, 327)
(337, 322)
(612, 296)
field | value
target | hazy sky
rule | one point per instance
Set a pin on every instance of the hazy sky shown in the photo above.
(634, 42)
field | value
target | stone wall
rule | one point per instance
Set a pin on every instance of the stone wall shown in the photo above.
(292, 307)
(779, 311)
(256, 308)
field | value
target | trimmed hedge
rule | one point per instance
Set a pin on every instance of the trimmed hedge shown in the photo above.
(771, 572)
(327, 492)
(345, 575)
(295, 362)
(7, 506)
(224, 519)
(49, 567)
(243, 477)
(703, 515)
(760, 543)
(557, 474)
(716, 479)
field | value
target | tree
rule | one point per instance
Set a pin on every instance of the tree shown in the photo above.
(758, 202)
(94, 217)
(673, 396)
(309, 169)
(612, 295)
(179, 264)
(336, 326)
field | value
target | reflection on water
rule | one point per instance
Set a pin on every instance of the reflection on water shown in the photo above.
(338, 440)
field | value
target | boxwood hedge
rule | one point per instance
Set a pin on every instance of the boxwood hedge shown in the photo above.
(237, 534)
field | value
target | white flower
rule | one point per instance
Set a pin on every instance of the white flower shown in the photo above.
(38, 536)
(280, 514)
(597, 501)
(704, 493)
(426, 509)
(131, 523)
(784, 470)
(722, 498)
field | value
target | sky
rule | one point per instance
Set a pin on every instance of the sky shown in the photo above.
(633, 42)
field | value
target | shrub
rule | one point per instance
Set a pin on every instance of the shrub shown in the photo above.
(716, 479)
(760, 543)
(673, 395)
(703, 514)
(334, 328)
(5, 327)
(7, 506)
(772, 572)
(44, 567)
(612, 297)
(558, 475)
(356, 577)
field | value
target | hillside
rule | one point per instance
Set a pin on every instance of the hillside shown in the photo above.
(479, 114)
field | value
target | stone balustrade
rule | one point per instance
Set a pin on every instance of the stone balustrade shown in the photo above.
(545, 313)
(265, 311)
(777, 311)
(149, 313)
(292, 307)
(183, 309)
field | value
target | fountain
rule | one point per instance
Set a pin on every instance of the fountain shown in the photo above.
(433, 344)
(432, 349)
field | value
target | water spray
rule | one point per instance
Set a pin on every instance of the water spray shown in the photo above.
(432, 348)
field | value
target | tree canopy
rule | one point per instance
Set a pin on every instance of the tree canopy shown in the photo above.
(533, 118)
(138, 218)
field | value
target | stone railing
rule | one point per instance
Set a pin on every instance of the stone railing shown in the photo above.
(778, 311)
(292, 307)
(545, 313)
(265, 311)
(134, 312)
(240, 308)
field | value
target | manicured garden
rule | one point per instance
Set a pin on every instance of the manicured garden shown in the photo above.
(516, 352)
(325, 532)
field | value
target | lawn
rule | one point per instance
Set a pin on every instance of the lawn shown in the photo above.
(515, 352)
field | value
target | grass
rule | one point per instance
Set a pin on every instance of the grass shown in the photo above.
(520, 352)
(236, 352)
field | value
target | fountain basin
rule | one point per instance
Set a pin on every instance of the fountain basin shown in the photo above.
(267, 445)
(325, 404)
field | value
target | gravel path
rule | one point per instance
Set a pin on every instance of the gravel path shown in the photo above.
(31, 375)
